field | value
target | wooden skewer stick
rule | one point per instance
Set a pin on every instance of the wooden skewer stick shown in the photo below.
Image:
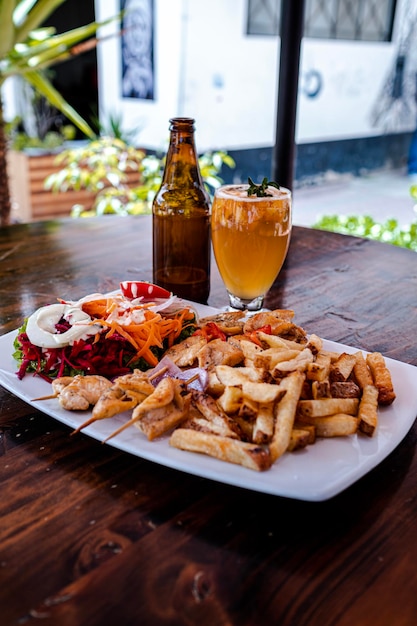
(84, 425)
(192, 379)
(122, 428)
(54, 395)
(161, 371)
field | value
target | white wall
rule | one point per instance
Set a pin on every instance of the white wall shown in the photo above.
(353, 77)
(206, 67)
(151, 116)
(231, 78)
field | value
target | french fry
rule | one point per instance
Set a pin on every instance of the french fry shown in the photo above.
(337, 425)
(331, 354)
(249, 455)
(216, 426)
(319, 369)
(261, 392)
(327, 406)
(341, 369)
(263, 427)
(310, 428)
(300, 438)
(314, 344)
(246, 427)
(300, 363)
(361, 371)
(269, 358)
(214, 386)
(213, 413)
(230, 400)
(381, 378)
(274, 341)
(368, 410)
(231, 376)
(285, 411)
(248, 409)
(320, 389)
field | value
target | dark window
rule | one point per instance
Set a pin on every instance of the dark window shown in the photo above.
(362, 20)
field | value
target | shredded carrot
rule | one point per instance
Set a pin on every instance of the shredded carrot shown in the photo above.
(151, 332)
(95, 308)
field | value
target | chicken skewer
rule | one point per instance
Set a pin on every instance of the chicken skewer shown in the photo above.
(125, 393)
(75, 393)
(169, 402)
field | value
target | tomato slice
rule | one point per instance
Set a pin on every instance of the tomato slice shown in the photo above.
(139, 288)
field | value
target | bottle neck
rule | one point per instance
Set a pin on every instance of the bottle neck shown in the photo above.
(181, 165)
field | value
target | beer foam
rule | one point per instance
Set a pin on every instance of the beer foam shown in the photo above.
(241, 191)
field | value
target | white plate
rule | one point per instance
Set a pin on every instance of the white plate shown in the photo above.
(315, 473)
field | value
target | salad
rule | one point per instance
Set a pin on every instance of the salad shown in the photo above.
(110, 335)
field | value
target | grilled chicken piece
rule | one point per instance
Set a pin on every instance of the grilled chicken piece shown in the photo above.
(60, 383)
(184, 354)
(138, 382)
(229, 322)
(163, 410)
(158, 421)
(125, 393)
(116, 400)
(280, 323)
(218, 352)
(78, 393)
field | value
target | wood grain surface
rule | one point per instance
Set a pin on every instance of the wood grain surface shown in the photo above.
(92, 536)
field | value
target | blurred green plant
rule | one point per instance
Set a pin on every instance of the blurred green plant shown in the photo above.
(365, 226)
(113, 126)
(49, 141)
(102, 167)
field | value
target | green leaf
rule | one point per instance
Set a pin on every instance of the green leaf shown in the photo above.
(29, 15)
(261, 191)
(45, 87)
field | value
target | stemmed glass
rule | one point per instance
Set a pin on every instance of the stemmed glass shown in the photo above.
(251, 230)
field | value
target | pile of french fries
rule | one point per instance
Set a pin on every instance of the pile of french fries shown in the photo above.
(271, 389)
(283, 395)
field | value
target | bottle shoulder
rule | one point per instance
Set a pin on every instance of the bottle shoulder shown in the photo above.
(182, 199)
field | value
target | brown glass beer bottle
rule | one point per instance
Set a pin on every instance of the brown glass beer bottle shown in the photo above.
(181, 219)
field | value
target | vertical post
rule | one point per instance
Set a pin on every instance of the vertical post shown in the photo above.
(291, 30)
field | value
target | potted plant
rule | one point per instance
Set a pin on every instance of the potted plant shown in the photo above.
(27, 50)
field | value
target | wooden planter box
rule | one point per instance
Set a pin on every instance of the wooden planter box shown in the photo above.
(30, 200)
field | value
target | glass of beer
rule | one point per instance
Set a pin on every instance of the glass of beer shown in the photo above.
(250, 235)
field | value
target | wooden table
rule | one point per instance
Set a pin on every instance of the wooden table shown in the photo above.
(93, 536)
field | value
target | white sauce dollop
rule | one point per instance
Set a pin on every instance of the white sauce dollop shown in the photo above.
(41, 329)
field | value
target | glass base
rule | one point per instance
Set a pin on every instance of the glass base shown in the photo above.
(241, 304)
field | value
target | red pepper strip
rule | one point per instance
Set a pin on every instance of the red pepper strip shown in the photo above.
(253, 336)
(211, 331)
